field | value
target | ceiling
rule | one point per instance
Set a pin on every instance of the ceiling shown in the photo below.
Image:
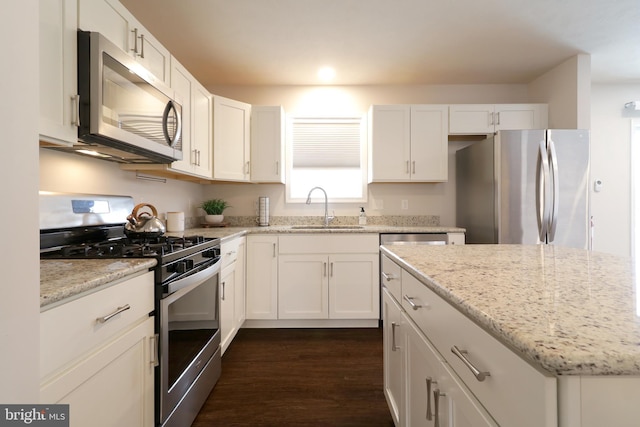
(388, 42)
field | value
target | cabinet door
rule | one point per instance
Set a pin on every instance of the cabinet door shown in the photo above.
(240, 293)
(303, 287)
(227, 306)
(429, 142)
(112, 386)
(182, 85)
(393, 355)
(262, 277)
(267, 144)
(471, 119)
(520, 116)
(58, 71)
(389, 143)
(201, 133)
(116, 23)
(231, 131)
(354, 290)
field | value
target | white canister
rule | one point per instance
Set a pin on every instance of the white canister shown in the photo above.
(175, 221)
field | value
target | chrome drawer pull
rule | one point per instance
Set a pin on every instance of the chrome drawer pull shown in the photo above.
(480, 376)
(153, 341)
(115, 313)
(389, 277)
(409, 299)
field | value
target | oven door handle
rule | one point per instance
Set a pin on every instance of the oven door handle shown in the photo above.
(194, 279)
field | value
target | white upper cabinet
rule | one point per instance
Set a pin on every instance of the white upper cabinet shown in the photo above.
(408, 143)
(196, 122)
(231, 140)
(488, 118)
(267, 144)
(116, 23)
(58, 72)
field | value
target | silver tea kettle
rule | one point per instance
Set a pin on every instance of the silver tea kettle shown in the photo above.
(144, 225)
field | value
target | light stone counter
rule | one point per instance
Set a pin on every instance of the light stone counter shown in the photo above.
(230, 232)
(568, 311)
(67, 278)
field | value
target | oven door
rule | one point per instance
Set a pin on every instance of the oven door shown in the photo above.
(189, 343)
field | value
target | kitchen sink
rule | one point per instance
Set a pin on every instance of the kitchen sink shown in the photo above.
(326, 227)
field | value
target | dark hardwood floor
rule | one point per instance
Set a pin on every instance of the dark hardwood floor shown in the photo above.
(300, 377)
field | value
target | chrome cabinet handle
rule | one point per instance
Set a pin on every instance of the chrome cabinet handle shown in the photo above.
(274, 250)
(75, 109)
(480, 376)
(324, 266)
(153, 341)
(436, 407)
(498, 118)
(414, 167)
(135, 41)
(223, 286)
(429, 412)
(247, 170)
(389, 277)
(413, 305)
(115, 313)
(331, 269)
(491, 121)
(142, 46)
(277, 167)
(394, 347)
(407, 166)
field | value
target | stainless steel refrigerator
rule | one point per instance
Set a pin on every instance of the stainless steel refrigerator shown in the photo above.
(525, 187)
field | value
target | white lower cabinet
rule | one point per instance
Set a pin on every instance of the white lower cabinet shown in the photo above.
(103, 369)
(262, 277)
(328, 277)
(424, 330)
(232, 290)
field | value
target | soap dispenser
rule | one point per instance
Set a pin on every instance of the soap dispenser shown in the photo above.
(362, 219)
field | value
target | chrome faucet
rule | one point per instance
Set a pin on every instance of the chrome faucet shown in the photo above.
(327, 218)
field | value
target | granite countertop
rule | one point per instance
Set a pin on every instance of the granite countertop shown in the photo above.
(229, 232)
(62, 279)
(568, 311)
(68, 278)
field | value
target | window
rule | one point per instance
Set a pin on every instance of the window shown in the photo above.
(327, 152)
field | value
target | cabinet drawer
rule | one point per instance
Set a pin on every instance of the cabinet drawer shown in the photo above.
(335, 244)
(229, 250)
(514, 393)
(72, 329)
(390, 277)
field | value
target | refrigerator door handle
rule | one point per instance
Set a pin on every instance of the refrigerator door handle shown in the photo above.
(553, 163)
(542, 191)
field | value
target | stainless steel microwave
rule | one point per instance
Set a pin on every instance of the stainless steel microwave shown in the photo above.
(126, 114)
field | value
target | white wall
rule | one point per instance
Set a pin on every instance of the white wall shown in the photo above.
(424, 199)
(66, 172)
(566, 88)
(20, 286)
(610, 162)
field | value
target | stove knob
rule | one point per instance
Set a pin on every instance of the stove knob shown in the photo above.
(179, 267)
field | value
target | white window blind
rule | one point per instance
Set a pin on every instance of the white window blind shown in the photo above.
(326, 143)
(329, 152)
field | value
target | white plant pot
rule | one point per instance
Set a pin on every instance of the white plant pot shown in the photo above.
(214, 219)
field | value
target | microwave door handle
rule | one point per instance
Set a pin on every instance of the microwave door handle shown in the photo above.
(165, 124)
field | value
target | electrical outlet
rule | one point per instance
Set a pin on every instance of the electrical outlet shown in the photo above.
(405, 204)
(378, 204)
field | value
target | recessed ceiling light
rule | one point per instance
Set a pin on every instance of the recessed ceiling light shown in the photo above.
(326, 74)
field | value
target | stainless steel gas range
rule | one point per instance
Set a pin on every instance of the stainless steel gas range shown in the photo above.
(186, 291)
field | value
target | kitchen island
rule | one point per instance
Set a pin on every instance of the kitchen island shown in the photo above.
(570, 314)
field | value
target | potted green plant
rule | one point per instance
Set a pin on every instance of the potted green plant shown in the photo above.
(214, 209)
